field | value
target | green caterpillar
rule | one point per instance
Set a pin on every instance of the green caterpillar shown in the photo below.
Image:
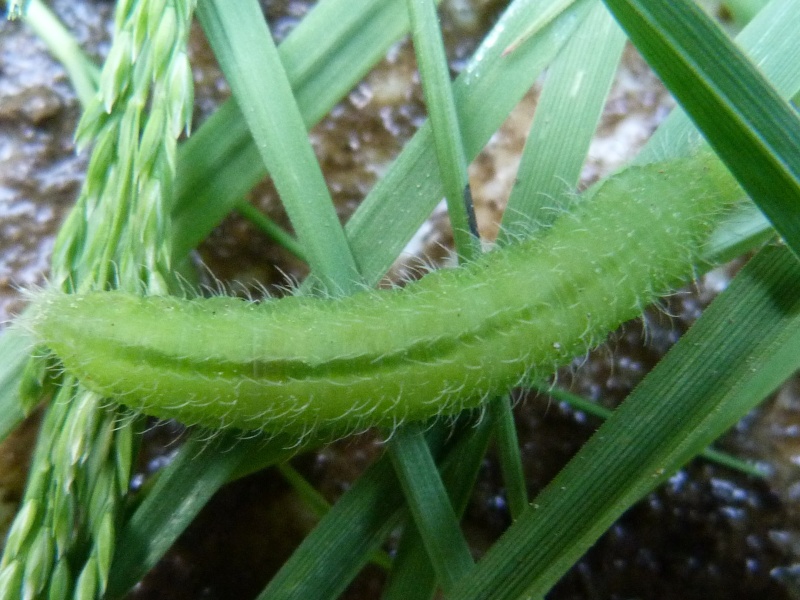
(435, 347)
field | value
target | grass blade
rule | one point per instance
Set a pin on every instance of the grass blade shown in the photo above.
(412, 576)
(754, 131)
(345, 539)
(435, 77)
(549, 171)
(271, 229)
(770, 43)
(430, 506)
(422, 486)
(197, 472)
(342, 542)
(333, 47)
(244, 48)
(485, 93)
(509, 455)
(563, 125)
(600, 411)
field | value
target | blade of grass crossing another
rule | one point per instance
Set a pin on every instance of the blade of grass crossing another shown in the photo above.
(744, 346)
(770, 42)
(753, 130)
(566, 117)
(335, 551)
(247, 54)
(198, 471)
(412, 577)
(485, 92)
(345, 538)
(331, 49)
(549, 172)
(427, 499)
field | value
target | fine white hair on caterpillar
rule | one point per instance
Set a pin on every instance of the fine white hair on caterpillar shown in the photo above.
(435, 347)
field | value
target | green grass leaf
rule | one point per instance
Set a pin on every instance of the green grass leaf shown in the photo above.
(412, 576)
(201, 467)
(427, 499)
(249, 58)
(324, 57)
(753, 130)
(565, 120)
(435, 78)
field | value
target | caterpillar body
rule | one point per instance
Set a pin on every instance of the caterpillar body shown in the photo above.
(380, 357)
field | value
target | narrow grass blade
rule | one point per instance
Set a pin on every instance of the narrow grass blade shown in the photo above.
(310, 496)
(140, 545)
(412, 576)
(754, 131)
(566, 117)
(564, 123)
(745, 344)
(344, 540)
(770, 42)
(422, 486)
(332, 48)
(340, 545)
(247, 54)
(435, 77)
(509, 455)
(430, 506)
(270, 228)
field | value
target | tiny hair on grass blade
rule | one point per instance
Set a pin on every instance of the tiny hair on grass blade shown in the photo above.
(434, 347)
